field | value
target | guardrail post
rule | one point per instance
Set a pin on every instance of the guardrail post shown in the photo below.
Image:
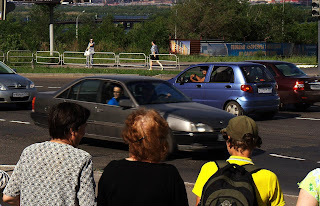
(32, 61)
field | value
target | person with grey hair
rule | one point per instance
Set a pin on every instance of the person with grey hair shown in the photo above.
(55, 172)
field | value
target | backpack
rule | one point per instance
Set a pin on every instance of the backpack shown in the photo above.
(231, 185)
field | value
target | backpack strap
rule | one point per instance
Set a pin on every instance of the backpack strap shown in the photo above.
(221, 164)
(251, 168)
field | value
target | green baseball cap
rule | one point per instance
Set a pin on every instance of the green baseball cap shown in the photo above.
(239, 126)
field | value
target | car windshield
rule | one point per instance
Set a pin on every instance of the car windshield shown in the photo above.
(290, 70)
(255, 74)
(155, 92)
(4, 69)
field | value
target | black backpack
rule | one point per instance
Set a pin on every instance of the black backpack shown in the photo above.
(231, 185)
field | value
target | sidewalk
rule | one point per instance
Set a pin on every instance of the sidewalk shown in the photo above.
(290, 200)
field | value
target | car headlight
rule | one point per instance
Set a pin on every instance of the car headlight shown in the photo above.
(200, 127)
(31, 85)
(2, 87)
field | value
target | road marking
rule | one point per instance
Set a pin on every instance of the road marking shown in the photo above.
(2, 120)
(54, 87)
(6, 166)
(307, 118)
(39, 86)
(287, 157)
(19, 122)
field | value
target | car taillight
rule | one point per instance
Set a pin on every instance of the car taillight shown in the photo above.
(299, 86)
(247, 88)
(33, 102)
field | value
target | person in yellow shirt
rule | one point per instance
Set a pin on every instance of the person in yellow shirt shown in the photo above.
(242, 138)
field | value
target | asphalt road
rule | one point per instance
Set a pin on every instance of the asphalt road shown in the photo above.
(290, 142)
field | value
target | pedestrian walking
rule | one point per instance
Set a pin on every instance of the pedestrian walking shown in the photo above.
(242, 138)
(154, 55)
(90, 49)
(55, 172)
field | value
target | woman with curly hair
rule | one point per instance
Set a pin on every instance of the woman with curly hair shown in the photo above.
(141, 179)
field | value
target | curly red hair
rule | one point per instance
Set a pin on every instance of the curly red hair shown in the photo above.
(146, 133)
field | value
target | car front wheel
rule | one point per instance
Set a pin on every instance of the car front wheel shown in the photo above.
(234, 108)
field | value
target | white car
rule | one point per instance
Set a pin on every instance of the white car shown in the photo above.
(15, 88)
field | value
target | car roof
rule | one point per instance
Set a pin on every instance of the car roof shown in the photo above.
(123, 78)
(267, 61)
(244, 63)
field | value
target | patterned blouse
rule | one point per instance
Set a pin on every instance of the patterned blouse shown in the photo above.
(311, 184)
(56, 174)
(154, 49)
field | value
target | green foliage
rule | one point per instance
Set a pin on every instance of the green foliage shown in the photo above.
(211, 19)
(229, 20)
(233, 20)
(140, 37)
(47, 69)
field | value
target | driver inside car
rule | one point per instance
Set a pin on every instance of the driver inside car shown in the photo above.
(196, 78)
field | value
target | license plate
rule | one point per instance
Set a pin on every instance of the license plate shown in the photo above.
(265, 90)
(20, 94)
(315, 86)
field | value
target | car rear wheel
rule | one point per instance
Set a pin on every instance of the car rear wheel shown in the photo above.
(234, 108)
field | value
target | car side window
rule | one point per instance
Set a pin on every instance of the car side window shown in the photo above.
(88, 90)
(271, 71)
(222, 75)
(71, 93)
(195, 74)
(111, 93)
(83, 91)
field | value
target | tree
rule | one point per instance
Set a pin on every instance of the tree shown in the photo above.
(211, 19)
(140, 37)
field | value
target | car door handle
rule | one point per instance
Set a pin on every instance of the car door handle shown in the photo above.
(98, 109)
(199, 85)
(228, 86)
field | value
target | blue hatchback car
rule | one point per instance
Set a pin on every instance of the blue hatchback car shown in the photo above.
(237, 87)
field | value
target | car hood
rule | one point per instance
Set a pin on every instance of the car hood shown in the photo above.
(12, 79)
(194, 112)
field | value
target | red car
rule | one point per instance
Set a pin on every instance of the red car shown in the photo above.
(294, 86)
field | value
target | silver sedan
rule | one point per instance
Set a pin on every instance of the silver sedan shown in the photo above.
(111, 99)
(15, 88)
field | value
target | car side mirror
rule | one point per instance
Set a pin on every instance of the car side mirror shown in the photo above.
(126, 103)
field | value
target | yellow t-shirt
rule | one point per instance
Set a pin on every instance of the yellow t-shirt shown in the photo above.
(268, 190)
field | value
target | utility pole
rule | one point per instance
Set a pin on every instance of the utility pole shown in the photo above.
(77, 22)
(316, 13)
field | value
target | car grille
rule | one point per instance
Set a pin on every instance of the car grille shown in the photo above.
(19, 98)
(17, 87)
